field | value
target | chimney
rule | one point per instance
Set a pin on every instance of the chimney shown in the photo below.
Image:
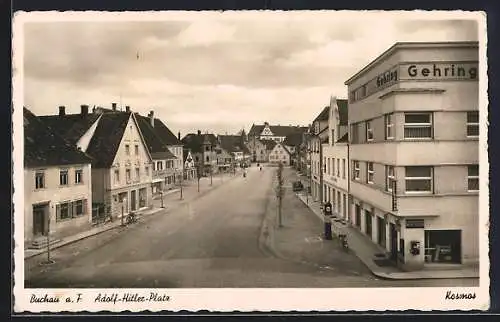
(127, 109)
(179, 135)
(199, 132)
(84, 110)
(62, 110)
(113, 106)
(152, 118)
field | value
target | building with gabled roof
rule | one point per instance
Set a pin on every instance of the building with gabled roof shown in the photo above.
(273, 132)
(121, 161)
(57, 184)
(280, 154)
(203, 148)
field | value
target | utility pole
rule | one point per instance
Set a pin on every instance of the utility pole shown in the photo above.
(182, 178)
(198, 176)
(280, 192)
(48, 240)
(211, 170)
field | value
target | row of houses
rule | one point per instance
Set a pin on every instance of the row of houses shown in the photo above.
(82, 169)
(399, 159)
(276, 143)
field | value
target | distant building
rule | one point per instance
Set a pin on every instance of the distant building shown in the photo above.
(319, 135)
(233, 149)
(57, 185)
(276, 133)
(258, 150)
(203, 148)
(189, 165)
(280, 154)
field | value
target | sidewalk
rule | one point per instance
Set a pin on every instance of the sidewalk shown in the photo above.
(365, 250)
(171, 200)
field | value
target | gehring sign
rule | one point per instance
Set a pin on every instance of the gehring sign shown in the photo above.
(439, 71)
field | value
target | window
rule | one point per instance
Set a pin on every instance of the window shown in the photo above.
(78, 176)
(343, 168)
(146, 169)
(63, 177)
(39, 180)
(136, 149)
(332, 142)
(473, 124)
(354, 133)
(389, 174)
(208, 159)
(127, 175)
(369, 172)
(418, 126)
(159, 165)
(328, 166)
(418, 179)
(137, 173)
(324, 164)
(369, 131)
(356, 171)
(63, 211)
(78, 208)
(338, 168)
(127, 149)
(388, 127)
(473, 177)
(333, 166)
(117, 176)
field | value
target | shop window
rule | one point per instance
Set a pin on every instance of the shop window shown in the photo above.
(473, 177)
(369, 172)
(369, 131)
(473, 124)
(63, 177)
(443, 246)
(68, 210)
(418, 126)
(389, 182)
(418, 179)
(355, 170)
(389, 127)
(39, 180)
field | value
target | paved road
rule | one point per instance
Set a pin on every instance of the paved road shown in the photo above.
(211, 241)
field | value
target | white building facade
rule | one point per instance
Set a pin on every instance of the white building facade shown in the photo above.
(414, 128)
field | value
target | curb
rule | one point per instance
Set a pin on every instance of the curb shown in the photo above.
(389, 276)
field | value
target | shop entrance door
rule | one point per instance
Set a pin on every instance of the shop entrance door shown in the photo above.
(381, 231)
(132, 200)
(358, 216)
(393, 235)
(40, 220)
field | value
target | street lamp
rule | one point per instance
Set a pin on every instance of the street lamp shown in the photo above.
(182, 178)
(161, 195)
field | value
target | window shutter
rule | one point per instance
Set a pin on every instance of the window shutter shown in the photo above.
(58, 212)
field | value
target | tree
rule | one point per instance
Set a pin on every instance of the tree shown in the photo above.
(280, 192)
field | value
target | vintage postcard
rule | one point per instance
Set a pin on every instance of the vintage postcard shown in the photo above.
(250, 161)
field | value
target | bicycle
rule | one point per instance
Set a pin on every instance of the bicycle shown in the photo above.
(131, 218)
(343, 241)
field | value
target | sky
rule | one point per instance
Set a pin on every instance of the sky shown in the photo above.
(219, 73)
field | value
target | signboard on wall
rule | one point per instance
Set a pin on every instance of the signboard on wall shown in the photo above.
(439, 71)
(414, 223)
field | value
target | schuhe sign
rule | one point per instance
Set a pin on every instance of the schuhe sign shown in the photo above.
(440, 71)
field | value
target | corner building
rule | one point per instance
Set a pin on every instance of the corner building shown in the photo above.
(414, 173)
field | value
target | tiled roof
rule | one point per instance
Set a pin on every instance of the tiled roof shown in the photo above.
(293, 139)
(45, 147)
(323, 116)
(194, 141)
(70, 126)
(278, 130)
(165, 134)
(232, 143)
(344, 138)
(157, 147)
(343, 111)
(107, 137)
(270, 144)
